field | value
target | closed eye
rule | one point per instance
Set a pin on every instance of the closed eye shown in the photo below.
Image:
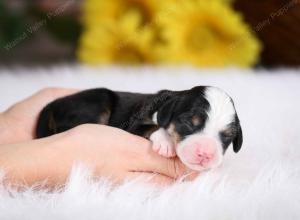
(184, 125)
(226, 136)
(196, 120)
(188, 125)
(188, 122)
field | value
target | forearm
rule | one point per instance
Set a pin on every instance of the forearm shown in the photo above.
(34, 161)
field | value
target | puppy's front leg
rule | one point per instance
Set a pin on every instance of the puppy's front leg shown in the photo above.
(162, 143)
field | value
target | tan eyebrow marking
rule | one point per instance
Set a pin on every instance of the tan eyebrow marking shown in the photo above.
(104, 117)
(196, 120)
(228, 132)
(51, 123)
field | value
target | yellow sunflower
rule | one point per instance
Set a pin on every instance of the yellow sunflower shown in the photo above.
(95, 11)
(122, 42)
(206, 33)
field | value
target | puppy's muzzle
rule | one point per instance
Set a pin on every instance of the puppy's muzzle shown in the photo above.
(200, 153)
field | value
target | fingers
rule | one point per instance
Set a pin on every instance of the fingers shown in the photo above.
(151, 178)
(135, 153)
(154, 178)
(171, 167)
(50, 94)
(32, 105)
(150, 161)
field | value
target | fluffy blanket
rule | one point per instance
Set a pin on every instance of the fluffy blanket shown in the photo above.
(262, 181)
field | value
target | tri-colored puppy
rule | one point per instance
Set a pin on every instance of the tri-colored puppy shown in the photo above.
(197, 125)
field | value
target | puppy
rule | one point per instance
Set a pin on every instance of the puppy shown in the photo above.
(197, 125)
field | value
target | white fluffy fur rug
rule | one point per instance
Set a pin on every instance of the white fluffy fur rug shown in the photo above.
(260, 182)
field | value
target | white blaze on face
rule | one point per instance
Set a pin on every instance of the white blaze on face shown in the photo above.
(204, 150)
(221, 112)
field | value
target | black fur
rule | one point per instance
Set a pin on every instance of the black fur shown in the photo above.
(133, 112)
(189, 104)
(238, 139)
(128, 111)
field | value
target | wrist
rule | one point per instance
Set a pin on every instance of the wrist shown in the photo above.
(6, 133)
(11, 130)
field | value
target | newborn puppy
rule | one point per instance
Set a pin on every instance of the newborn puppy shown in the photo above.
(197, 125)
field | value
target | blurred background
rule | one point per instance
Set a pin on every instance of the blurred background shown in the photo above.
(214, 33)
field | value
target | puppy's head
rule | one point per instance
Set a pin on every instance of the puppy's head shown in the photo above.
(202, 123)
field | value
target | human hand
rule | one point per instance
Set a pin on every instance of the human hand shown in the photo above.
(111, 152)
(119, 155)
(18, 123)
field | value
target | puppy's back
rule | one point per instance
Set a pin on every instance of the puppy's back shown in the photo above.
(89, 106)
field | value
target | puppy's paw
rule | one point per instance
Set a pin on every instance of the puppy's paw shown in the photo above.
(162, 143)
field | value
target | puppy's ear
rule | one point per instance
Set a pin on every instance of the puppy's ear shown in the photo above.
(165, 112)
(238, 140)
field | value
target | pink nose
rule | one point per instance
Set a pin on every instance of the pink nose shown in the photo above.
(204, 152)
(204, 155)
